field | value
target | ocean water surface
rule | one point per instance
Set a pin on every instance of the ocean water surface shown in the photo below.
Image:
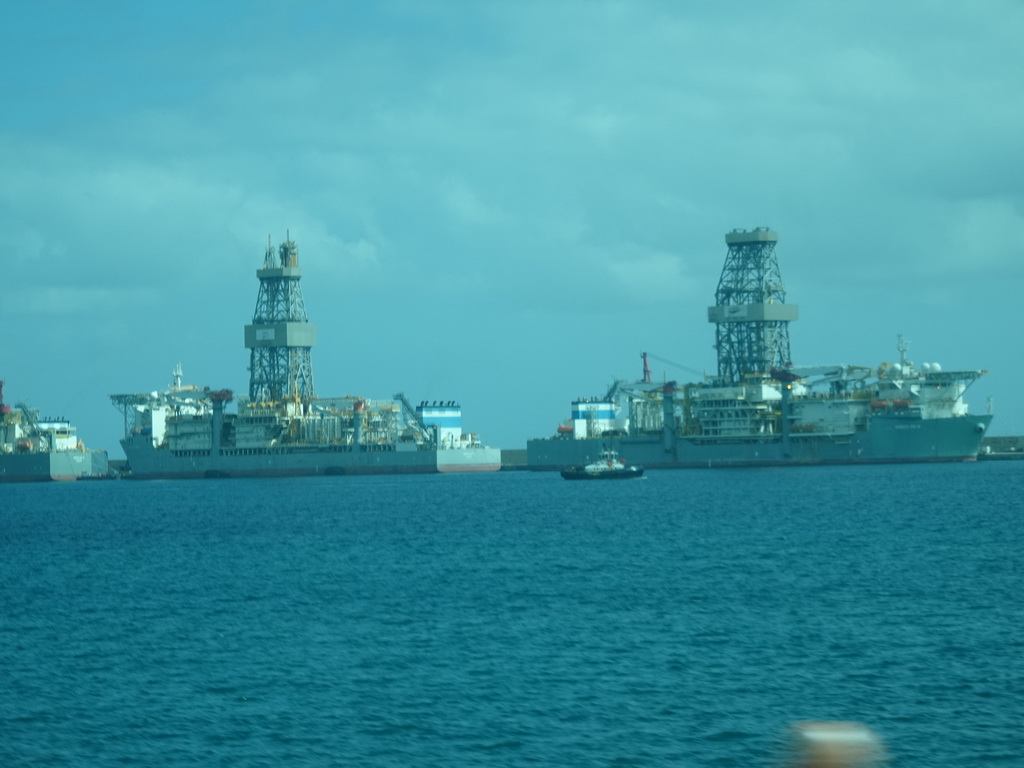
(512, 619)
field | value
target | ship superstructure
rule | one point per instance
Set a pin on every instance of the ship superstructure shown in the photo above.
(281, 427)
(33, 447)
(760, 408)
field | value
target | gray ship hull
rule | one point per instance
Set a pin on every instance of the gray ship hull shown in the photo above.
(146, 462)
(889, 439)
(56, 466)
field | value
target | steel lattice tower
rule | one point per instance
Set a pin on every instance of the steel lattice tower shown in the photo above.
(280, 335)
(751, 316)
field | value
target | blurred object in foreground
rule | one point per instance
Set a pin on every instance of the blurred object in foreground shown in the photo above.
(834, 745)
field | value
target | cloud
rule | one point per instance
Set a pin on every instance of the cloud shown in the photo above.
(979, 242)
(546, 163)
(71, 300)
(650, 278)
(466, 206)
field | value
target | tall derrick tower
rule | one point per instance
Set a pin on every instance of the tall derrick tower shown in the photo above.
(751, 316)
(280, 336)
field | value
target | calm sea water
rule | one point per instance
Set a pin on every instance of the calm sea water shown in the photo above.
(512, 619)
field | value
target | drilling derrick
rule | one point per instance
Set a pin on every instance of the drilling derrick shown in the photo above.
(751, 316)
(280, 336)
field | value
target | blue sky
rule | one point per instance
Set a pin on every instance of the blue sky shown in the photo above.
(502, 203)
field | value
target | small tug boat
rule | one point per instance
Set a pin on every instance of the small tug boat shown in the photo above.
(608, 467)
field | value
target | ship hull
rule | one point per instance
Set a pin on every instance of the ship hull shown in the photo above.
(147, 463)
(578, 473)
(890, 439)
(61, 466)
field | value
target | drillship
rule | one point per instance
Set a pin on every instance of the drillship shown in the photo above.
(760, 409)
(281, 428)
(38, 449)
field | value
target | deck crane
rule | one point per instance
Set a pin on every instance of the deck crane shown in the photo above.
(429, 433)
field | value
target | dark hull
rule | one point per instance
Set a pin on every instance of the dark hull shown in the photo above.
(61, 466)
(611, 474)
(889, 440)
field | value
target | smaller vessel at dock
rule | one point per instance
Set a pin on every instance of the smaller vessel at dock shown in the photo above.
(35, 448)
(609, 466)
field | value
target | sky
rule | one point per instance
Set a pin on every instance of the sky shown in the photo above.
(502, 203)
